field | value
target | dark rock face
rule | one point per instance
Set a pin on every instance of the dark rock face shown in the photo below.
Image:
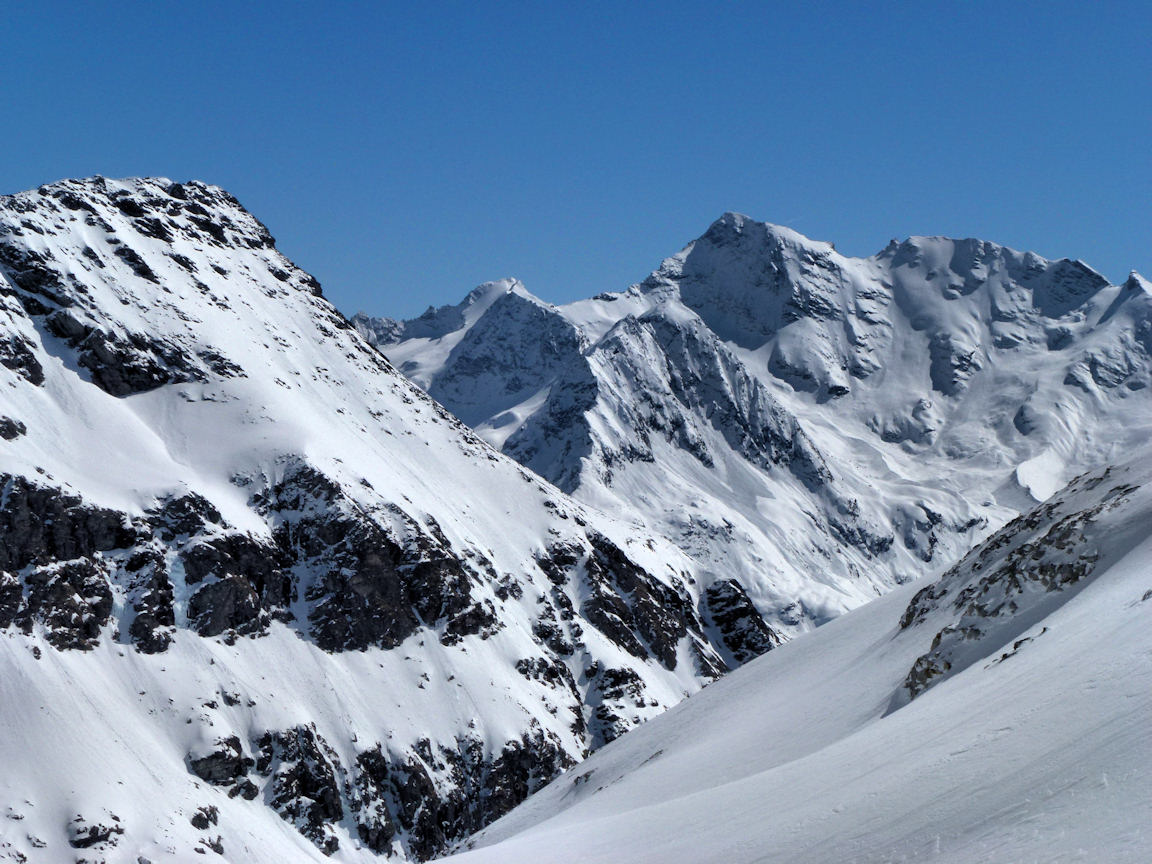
(11, 597)
(85, 834)
(40, 525)
(205, 817)
(73, 601)
(484, 789)
(16, 354)
(245, 789)
(422, 799)
(56, 540)
(478, 619)
(70, 589)
(621, 692)
(641, 614)
(305, 789)
(224, 765)
(375, 823)
(746, 635)
(367, 587)
(226, 604)
(243, 584)
(371, 587)
(33, 272)
(151, 595)
(184, 515)
(10, 429)
(646, 618)
(122, 368)
(425, 798)
(657, 614)
(132, 363)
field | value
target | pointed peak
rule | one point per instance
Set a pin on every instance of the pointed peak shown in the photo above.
(1136, 282)
(733, 227)
(488, 292)
(484, 296)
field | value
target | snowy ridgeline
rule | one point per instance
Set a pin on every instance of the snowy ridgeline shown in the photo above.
(258, 592)
(999, 714)
(819, 427)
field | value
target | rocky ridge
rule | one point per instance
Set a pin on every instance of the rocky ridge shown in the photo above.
(1001, 589)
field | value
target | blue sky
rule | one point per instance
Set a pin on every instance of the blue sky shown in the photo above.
(406, 152)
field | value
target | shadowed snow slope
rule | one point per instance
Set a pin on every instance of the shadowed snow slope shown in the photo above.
(256, 586)
(1031, 744)
(818, 427)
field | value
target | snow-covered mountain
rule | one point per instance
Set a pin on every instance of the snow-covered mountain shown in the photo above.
(260, 596)
(822, 428)
(998, 714)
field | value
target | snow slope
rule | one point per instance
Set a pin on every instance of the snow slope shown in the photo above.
(246, 566)
(1031, 746)
(819, 427)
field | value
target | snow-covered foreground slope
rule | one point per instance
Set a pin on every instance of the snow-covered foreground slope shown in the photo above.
(819, 427)
(245, 566)
(1029, 743)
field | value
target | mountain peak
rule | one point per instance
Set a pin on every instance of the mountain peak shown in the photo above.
(155, 209)
(1136, 282)
(486, 292)
(733, 227)
(100, 188)
(438, 322)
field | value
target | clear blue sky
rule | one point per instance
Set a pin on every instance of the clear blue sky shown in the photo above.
(404, 152)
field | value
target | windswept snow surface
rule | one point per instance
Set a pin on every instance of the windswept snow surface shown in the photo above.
(1034, 749)
(819, 427)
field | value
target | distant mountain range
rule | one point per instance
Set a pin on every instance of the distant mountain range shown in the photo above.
(821, 428)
